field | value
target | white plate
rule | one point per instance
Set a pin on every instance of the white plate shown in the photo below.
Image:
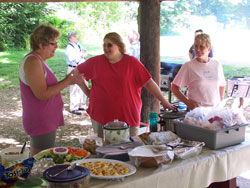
(35, 156)
(129, 166)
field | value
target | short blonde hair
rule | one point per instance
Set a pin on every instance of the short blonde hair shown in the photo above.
(43, 34)
(205, 37)
(116, 39)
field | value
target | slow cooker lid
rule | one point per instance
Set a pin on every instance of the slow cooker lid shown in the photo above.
(116, 125)
(172, 115)
(67, 176)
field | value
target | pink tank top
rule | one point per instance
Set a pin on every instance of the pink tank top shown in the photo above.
(41, 116)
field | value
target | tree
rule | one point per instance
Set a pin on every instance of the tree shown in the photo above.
(101, 16)
(17, 20)
(222, 10)
(242, 12)
(174, 14)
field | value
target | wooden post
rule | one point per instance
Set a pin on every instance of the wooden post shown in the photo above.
(150, 51)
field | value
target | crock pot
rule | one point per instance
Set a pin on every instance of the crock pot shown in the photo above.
(166, 119)
(115, 132)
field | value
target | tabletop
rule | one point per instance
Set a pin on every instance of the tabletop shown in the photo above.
(196, 172)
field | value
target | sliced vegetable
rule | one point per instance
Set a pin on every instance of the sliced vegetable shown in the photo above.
(73, 155)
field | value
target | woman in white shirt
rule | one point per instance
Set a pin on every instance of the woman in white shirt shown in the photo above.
(203, 77)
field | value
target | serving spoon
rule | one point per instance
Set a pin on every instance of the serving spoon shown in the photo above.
(70, 167)
(22, 150)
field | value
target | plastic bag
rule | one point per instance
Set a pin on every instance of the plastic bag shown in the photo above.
(217, 117)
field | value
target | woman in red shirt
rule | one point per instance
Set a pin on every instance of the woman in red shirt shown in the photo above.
(117, 79)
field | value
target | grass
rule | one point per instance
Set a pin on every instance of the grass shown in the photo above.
(10, 61)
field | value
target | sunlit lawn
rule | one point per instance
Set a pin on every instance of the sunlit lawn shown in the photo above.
(10, 61)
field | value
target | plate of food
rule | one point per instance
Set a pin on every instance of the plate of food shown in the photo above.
(107, 168)
(62, 155)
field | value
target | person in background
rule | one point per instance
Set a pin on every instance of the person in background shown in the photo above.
(203, 77)
(191, 51)
(40, 91)
(117, 79)
(134, 48)
(75, 55)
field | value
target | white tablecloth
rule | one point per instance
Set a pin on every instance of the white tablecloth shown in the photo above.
(197, 172)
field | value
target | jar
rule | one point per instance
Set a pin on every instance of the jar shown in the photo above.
(116, 132)
(76, 178)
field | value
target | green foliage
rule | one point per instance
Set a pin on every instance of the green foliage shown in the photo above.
(174, 14)
(64, 26)
(17, 20)
(10, 61)
(97, 15)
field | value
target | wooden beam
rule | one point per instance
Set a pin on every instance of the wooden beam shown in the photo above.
(150, 51)
(46, 1)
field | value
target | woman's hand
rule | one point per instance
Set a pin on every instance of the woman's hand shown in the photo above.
(192, 104)
(75, 77)
(167, 105)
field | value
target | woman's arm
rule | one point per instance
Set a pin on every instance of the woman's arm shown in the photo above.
(34, 74)
(154, 89)
(176, 91)
(81, 83)
(222, 90)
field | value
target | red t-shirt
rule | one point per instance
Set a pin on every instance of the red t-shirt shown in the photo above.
(116, 89)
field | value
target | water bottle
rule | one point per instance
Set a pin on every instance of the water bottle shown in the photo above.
(153, 121)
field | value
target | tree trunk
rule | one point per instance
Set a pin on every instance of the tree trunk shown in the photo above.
(150, 51)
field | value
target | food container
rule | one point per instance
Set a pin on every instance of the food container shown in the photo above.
(13, 154)
(116, 132)
(151, 155)
(117, 151)
(166, 119)
(214, 139)
(76, 178)
(60, 150)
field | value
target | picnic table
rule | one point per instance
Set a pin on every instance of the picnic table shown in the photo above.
(196, 172)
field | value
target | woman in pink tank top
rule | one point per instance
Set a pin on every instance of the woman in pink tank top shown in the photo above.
(40, 91)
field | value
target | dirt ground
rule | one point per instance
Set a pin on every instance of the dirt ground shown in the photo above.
(12, 132)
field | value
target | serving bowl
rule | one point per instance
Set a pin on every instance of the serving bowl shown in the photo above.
(13, 154)
(151, 155)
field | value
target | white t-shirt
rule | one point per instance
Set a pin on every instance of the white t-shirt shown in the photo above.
(203, 81)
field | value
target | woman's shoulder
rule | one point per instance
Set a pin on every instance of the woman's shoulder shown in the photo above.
(97, 58)
(214, 62)
(133, 60)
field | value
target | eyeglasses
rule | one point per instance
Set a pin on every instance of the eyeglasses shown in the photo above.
(53, 43)
(109, 45)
